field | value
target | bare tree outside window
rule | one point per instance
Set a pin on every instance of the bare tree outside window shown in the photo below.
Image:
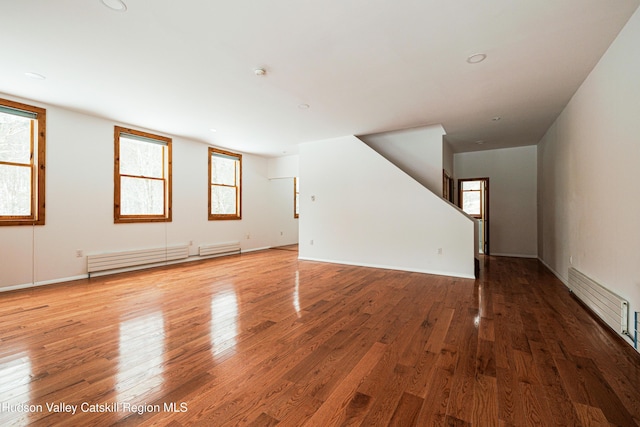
(142, 177)
(225, 177)
(22, 152)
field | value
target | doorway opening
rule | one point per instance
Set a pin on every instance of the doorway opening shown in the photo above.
(473, 198)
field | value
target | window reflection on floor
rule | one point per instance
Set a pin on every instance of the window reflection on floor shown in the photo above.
(140, 368)
(296, 295)
(15, 378)
(224, 318)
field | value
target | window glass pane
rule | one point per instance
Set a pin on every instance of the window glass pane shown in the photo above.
(223, 171)
(141, 158)
(140, 196)
(15, 139)
(471, 202)
(471, 185)
(15, 190)
(223, 200)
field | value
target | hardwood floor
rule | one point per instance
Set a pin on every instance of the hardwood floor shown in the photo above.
(263, 339)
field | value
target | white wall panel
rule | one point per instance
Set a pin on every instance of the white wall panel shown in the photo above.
(512, 196)
(588, 174)
(359, 208)
(79, 203)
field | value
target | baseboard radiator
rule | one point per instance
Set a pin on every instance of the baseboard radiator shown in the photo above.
(124, 259)
(636, 324)
(611, 308)
(226, 248)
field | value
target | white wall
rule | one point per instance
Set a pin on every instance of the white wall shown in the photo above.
(588, 174)
(512, 174)
(417, 151)
(369, 212)
(79, 205)
(283, 167)
(447, 158)
(281, 171)
(284, 228)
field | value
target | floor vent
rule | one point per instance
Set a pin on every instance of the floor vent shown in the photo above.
(611, 308)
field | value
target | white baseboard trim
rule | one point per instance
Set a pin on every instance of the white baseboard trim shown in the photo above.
(244, 251)
(555, 273)
(389, 267)
(42, 283)
(514, 255)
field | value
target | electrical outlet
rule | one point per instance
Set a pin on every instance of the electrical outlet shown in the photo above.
(439, 251)
(282, 233)
(190, 242)
(79, 253)
(311, 242)
(247, 236)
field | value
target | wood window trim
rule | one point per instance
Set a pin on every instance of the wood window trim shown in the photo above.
(38, 171)
(238, 187)
(166, 178)
(447, 186)
(296, 196)
(460, 197)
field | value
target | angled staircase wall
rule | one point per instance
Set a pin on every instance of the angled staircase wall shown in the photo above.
(359, 208)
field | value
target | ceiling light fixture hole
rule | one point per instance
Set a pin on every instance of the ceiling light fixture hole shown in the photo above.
(476, 58)
(117, 5)
(34, 76)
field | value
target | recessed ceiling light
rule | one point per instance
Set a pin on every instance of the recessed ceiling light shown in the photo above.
(117, 5)
(304, 106)
(476, 57)
(34, 76)
(496, 118)
(260, 71)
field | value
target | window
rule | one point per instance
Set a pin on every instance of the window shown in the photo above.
(225, 184)
(22, 163)
(296, 197)
(142, 177)
(471, 197)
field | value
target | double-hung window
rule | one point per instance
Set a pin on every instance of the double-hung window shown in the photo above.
(22, 164)
(225, 184)
(142, 177)
(471, 197)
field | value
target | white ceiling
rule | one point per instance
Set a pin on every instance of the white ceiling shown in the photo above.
(363, 66)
